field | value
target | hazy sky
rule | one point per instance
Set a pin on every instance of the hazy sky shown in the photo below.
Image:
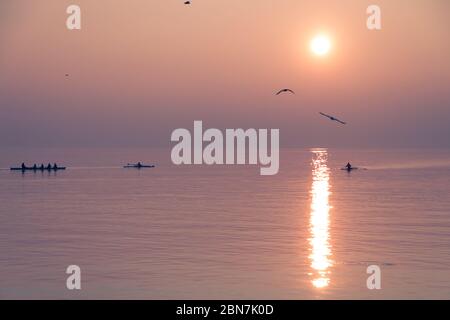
(141, 68)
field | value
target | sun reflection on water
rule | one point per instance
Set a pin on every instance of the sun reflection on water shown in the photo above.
(319, 222)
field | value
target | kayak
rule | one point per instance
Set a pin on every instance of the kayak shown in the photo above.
(349, 169)
(38, 169)
(352, 168)
(135, 166)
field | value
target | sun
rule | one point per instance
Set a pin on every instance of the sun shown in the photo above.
(320, 45)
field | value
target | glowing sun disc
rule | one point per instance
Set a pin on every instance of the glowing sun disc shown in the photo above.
(320, 45)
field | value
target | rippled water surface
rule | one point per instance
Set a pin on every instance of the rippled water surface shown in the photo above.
(225, 231)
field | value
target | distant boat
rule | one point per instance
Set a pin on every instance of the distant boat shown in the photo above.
(353, 168)
(349, 169)
(138, 166)
(37, 169)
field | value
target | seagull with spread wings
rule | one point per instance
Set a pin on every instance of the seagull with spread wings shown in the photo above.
(332, 118)
(284, 90)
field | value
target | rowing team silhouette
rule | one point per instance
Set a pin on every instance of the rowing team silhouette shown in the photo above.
(41, 167)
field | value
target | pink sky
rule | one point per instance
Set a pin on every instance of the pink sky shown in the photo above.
(140, 69)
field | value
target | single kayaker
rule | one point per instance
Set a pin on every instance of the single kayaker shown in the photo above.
(348, 166)
(55, 166)
(35, 167)
(139, 165)
(49, 167)
(23, 166)
(41, 167)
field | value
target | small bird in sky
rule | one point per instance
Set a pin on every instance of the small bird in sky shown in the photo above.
(332, 118)
(187, 2)
(284, 90)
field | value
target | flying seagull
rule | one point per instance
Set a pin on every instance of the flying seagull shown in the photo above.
(285, 90)
(332, 118)
(187, 2)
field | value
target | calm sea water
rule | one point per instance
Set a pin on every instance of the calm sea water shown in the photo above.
(226, 232)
